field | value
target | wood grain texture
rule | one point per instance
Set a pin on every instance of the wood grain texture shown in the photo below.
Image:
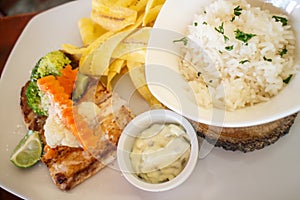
(245, 139)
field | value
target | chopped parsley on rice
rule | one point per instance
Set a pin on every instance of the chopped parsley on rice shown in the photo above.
(238, 55)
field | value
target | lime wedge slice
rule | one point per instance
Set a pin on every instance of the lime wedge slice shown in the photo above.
(29, 150)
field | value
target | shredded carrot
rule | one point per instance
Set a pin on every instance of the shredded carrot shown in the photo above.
(59, 90)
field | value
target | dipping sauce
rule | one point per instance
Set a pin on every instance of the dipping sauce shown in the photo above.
(160, 152)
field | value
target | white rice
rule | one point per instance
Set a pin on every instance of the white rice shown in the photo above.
(249, 73)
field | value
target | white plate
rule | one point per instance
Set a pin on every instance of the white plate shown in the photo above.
(168, 86)
(271, 173)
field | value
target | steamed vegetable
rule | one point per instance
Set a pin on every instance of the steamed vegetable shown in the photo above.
(34, 98)
(50, 64)
(60, 96)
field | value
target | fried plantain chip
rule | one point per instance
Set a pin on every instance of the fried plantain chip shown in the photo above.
(112, 17)
(89, 30)
(97, 58)
(134, 44)
(153, 3)
(112, 43)
(115, 68)
(123, 3)
(137, 75)
(151, 11)
(138, 5)
(110, 76)
(71, 49)
(151, 15)
(102, 55)
(136, 56)
(87, 56)
(117, 65)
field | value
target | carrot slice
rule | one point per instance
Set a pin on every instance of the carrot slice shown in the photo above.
(59, 90)
(67, 79)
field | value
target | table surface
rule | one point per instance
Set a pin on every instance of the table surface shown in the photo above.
(10, 30)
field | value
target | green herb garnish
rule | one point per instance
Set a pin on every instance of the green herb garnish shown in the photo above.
(283, 52)
(204, 23)
(245, 37)
(237, 11)
(287, 80)
(184, 40)
(229, 48)
(243, 61)
(225, 38)
(283, 20)
(198, 74)
(267, 59)
(220, 29)
(195, 23)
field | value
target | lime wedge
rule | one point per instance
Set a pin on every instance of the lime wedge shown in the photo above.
(29, 150)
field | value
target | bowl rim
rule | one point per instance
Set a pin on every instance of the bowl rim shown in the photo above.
(160, 115)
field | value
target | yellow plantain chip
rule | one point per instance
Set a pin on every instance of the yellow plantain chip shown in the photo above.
(153, 3)
(123, 3)
(86, 58)
(117, 65)
(112, 17)
(137, 75)
(110, 76)
(106, 2)
(115, 68)
(135, 42)
(136, 56)
(97, 58)
(102, 55)
(84, 64)
(151, 15)
(124, 70)
(138, 5)
(89, 30)
(71, 49)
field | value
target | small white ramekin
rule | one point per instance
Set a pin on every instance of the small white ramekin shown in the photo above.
(135, 127)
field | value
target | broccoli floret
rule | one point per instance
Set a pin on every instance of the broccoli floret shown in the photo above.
(50, 64)
(34, 98)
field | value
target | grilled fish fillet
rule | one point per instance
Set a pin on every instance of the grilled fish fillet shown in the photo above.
(70, 166)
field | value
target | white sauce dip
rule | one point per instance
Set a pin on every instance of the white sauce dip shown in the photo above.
(160, 152)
